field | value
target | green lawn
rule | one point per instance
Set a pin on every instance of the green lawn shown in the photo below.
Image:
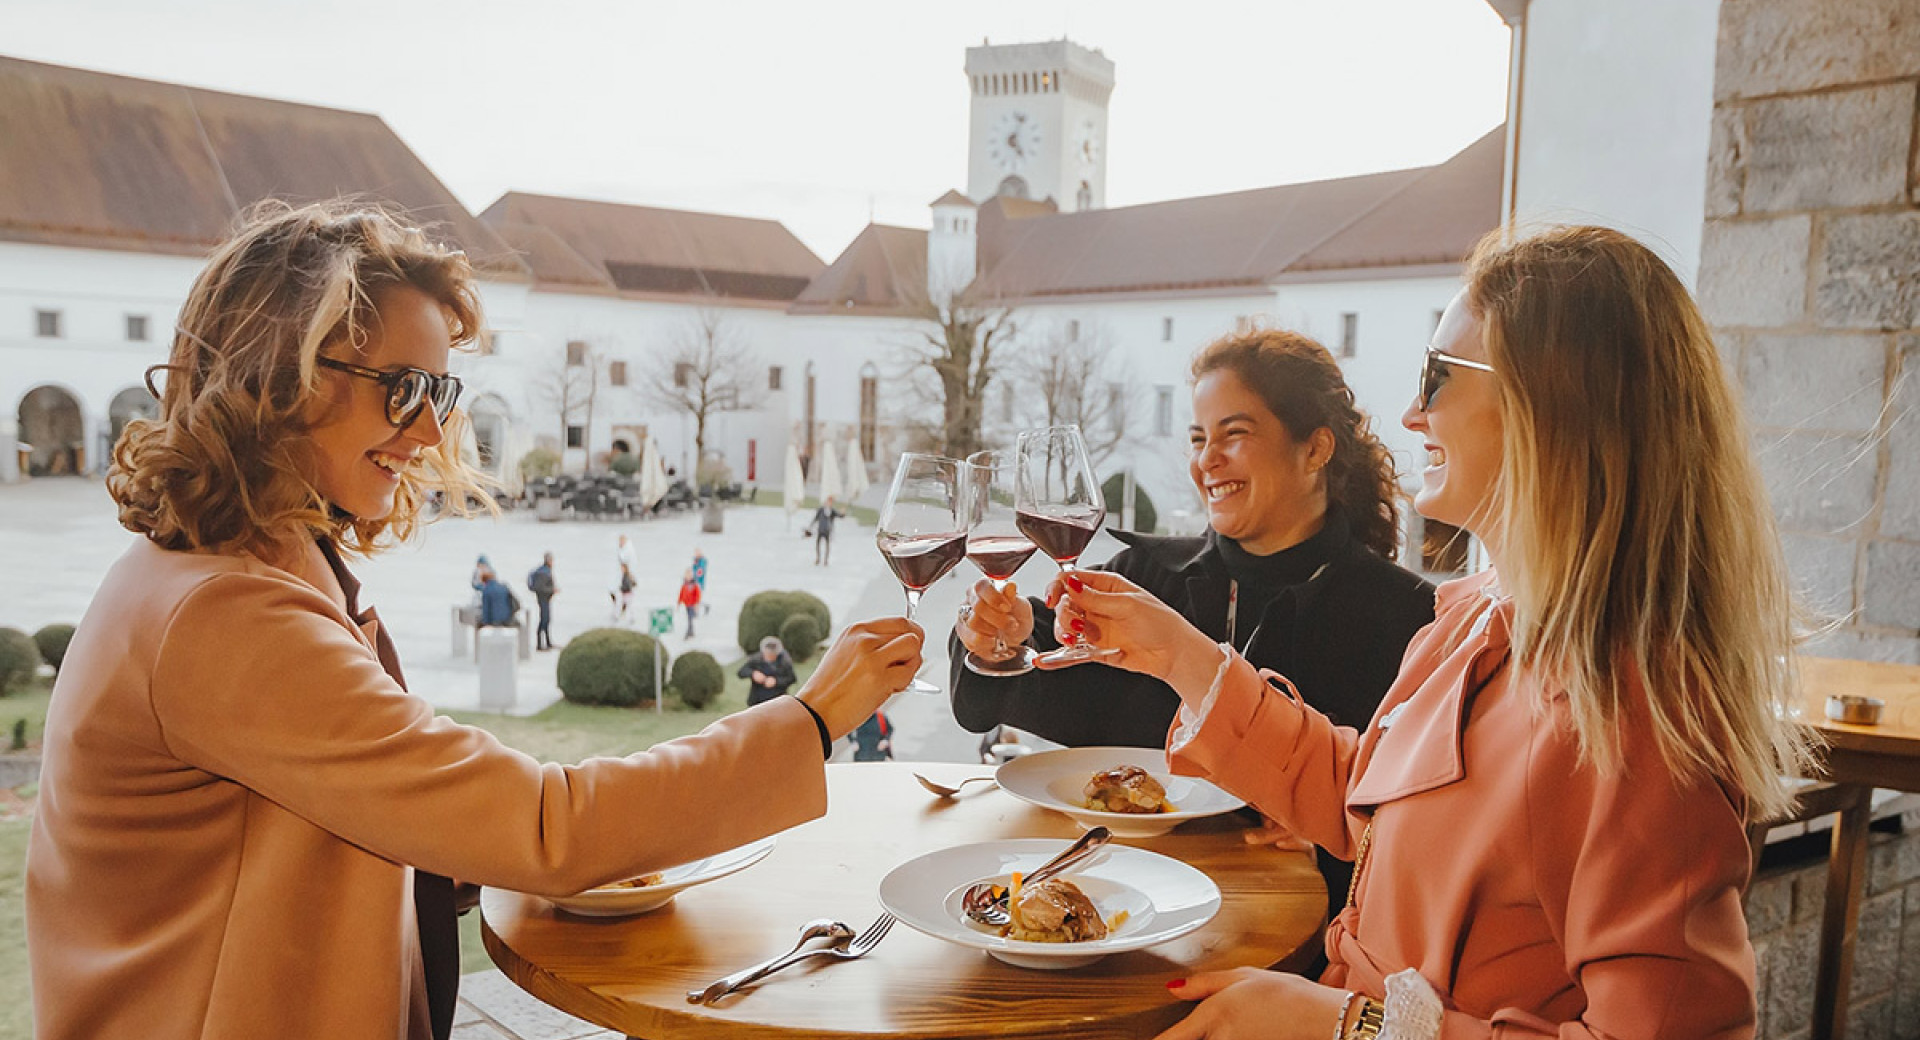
(562, 733)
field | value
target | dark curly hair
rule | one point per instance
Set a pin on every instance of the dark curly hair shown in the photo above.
(224, 466)
(1301, 384)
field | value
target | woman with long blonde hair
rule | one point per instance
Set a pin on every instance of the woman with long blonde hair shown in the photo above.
(246, 825)
(1548, 810)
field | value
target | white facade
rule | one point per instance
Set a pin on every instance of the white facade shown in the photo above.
(1632, 156)
(1038, 123)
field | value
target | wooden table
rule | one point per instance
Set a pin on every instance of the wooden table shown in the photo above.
(1857, 759)
(632, 974)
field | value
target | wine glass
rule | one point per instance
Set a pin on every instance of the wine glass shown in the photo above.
(996, 545)
(923, 528)
(1057, 503)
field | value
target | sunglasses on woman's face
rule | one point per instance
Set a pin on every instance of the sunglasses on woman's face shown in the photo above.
(1436, 372)
(408, 390)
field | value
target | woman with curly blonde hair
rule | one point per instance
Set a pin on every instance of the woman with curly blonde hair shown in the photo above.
(246, 825)
(1548, 810)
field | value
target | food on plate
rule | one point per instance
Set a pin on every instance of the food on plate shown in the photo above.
(1126, 789)
(1053, 911)
(643, 881)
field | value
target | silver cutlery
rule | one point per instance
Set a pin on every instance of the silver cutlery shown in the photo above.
(948, 792)
(822, 928)
(841, 949)
(986, 902)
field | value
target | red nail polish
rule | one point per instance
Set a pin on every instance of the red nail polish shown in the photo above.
(1077, 625)
(1076, 584)
(1176, 983)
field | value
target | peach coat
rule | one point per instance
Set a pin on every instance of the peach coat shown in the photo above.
(234, 795)
(1538, 897)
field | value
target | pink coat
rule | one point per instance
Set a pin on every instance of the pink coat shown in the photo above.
(1538, 897)
(235, 792)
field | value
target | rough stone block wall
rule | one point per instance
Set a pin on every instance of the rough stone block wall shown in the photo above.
(1783, 917)
(1810, 273)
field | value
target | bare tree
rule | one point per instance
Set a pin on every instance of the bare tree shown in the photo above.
(1077, 379)
(960, 343)
(707, 368)
(570, 381)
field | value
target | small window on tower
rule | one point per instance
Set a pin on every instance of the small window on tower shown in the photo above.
(1349, 334)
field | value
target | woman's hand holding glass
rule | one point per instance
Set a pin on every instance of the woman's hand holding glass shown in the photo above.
(871, 661)
(993, 614)
(1143, 633)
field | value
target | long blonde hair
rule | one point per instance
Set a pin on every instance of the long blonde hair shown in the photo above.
(1648, 580)
(224, 466)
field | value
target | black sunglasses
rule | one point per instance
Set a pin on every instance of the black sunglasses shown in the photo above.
(408, 390)
(1435, 373)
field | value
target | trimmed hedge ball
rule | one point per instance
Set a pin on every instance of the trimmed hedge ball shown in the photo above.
(765, 613)
(19, 659)
(608, 666)
(801, 636)
(52, 641)
(697, 679)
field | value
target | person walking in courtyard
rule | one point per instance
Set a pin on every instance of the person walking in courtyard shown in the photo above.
(873, 739)
(700, 577)
(821, 527)
(623, 581)
(770, 671)
(540, 583)
(689, 598)
(247, 826)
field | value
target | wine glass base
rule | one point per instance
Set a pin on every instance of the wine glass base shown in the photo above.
(1020, 664)
(1075, 655)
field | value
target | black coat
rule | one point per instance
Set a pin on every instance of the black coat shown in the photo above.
(1338, 636)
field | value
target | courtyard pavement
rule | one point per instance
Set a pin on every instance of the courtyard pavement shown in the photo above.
(59, 536)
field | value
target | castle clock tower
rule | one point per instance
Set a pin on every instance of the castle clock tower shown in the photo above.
(1039, 123)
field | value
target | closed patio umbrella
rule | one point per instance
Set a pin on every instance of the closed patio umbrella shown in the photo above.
(855, 481)
(794, 485)
(830, 486)
(653, 475)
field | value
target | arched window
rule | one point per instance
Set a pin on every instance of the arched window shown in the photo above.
(1083, 199)
(1014, 186)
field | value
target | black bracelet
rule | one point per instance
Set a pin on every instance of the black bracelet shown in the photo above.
(826, 742)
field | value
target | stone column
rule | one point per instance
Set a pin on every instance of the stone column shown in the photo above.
(1810, 273)
(9, 449)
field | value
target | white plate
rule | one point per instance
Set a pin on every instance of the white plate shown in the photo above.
(1163, 897)
(1057, 780)
(622, 902)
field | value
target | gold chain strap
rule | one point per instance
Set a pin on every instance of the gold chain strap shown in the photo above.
(1359, 862)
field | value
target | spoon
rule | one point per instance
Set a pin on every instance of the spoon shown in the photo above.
(986, 902)
(948, 792)
(821, 928)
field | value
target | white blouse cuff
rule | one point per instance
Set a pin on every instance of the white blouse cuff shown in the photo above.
(1191, 719)
(1413, 1009)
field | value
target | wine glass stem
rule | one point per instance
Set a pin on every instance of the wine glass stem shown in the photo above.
(913, 602)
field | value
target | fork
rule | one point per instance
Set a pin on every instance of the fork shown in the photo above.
(859, 947)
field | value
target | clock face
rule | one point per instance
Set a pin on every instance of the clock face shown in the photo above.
(1086, 144)
(1013, 141)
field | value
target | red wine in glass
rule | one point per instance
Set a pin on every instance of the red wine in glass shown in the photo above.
(923, 528)
(919, 561)
(1062, 537)
(1000, 556)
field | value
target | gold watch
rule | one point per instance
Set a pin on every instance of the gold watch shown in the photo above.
(1367, 1024)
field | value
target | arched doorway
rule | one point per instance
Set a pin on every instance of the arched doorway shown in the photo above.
(132, 403)
(491, 421)
(1014, 186)
(52, 435)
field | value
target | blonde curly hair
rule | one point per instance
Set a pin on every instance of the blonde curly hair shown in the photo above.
(225, 466)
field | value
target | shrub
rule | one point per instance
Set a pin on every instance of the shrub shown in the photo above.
(765, 613)
(801, 635)
(697, 679)
(540, 462)
(1145, 517)
(625, 463)
(608, 666)
(52, 641)
(19, 658)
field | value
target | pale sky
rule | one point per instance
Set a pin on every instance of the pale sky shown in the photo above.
(817, 113)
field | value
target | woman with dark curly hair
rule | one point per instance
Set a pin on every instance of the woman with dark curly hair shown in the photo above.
(1295, 569)
(246, 825)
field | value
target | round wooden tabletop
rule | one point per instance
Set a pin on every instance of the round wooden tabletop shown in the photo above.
(632, 974)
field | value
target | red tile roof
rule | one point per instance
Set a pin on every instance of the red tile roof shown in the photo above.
(100, 161)
(883, 271)
(653, 253)
(1435, 220)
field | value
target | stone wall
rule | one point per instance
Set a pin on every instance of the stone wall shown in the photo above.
(1810, 272)
(1783, 916)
